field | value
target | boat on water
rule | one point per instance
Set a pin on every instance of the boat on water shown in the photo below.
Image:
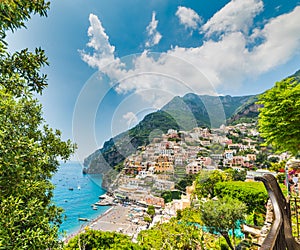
(95, 207)
(83, 219)
(104, 203)
(103, 196)
(71, 189)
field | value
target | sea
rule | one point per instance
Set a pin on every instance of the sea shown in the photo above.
(76, 192)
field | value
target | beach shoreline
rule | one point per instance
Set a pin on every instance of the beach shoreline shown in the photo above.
(118, 218)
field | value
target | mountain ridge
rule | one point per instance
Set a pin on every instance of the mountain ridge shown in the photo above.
(181, 113)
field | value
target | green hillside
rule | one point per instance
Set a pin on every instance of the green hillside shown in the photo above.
(114, 151)
(194, 110)
(181, 113)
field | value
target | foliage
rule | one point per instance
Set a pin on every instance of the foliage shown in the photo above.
(277, 166)
(189, 215)
(152, 125)
(174, 139)
(245, 119)
(151, 211)
(171, 235)
(168, 196)
(118, 148)
(20, 69)
(93, 239)
(28, 158)
(185, 182)
(204, 153)
(29, 149)
(173, 115)
(262, 159)
(279, 117)
(221, 164)
(256, 218)
(274, 159)
(253, 194)
(216, 148)
(147, 219)
(236, 175)
(119, 166)
(281, 177)
(235, 139)
(13, 14)
(223, 215)
(245, 152)
(206, 181)
(246, 113)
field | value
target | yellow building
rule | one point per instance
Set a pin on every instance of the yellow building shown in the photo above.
(163, 164)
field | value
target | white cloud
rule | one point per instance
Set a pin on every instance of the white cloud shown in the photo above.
(188, 17)
(166, 75)
(236, 16)
(99, 41)
(281, 41)
(130, 118)
(225, 62)
(221, 62)
(154, 36)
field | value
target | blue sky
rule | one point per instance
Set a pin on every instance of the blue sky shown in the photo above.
(113, 61)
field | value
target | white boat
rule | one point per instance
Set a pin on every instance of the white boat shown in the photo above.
(83, 219)
(103, 196)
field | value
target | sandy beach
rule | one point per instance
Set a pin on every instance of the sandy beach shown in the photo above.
(118, 218)
(115, 219)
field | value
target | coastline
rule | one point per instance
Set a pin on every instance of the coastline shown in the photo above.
(76, 203)
(118, 218)
(84, 226)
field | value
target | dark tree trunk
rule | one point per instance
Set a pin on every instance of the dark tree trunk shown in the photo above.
(225, 235)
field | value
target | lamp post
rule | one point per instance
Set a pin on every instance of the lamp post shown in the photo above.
(287, 178)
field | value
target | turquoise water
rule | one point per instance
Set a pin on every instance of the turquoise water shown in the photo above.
(77, 202)
(237, 231)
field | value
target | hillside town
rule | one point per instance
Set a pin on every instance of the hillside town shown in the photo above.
(157, 167)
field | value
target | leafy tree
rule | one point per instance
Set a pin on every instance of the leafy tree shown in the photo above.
(278, 166)
(174, 139)
(236, 175)
(216, 148)
(281, 177)
(223, 215)
(235, 139)
(168, 196)
(253, 194)
(186, 181)
(280, 115)
(21, 69)
(245, 152)
(274, 159)
(262, 159)
(147, 219)
(151, 211)
(93, 239)
(206, 182)
(29, 149)
(221, 164)
(172, 235)
(189, 215)
(203, 153)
